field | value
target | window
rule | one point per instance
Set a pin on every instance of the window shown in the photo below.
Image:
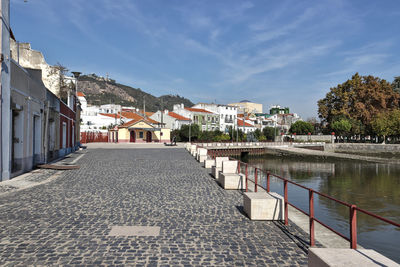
(140, 134)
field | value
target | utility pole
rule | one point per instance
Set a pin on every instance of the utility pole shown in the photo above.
(5, 91)
(144, 106)
(190, 127)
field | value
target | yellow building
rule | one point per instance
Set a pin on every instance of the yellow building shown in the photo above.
(246, 106)
(139, 131)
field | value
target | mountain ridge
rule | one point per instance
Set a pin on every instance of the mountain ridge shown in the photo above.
(100, 91)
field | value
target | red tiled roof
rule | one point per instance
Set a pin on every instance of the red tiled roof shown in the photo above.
(148, 113)
(240, 123)
(177, 116)
(80, 94)
(198, 110)
(136, 117)
(111, 115)
(126, 124)
(131, 115)
(131, 122)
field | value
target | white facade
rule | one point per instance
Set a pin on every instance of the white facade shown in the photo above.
(170, 121)
(97, 123)
(246, 127)
(227, 114)
(92, 118)
(180, 109)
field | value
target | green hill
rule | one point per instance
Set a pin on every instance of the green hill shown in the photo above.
(100, 91)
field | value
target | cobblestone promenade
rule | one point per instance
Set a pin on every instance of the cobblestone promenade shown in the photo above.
(68, 220)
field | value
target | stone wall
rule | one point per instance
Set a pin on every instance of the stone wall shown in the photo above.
(313, 138)
(362, 148)
(32, 59)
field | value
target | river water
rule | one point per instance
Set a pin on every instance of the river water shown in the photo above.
(371, 186)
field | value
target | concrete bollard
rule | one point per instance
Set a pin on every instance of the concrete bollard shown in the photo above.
(326, 257)
(208, 163)
(192, 149)
(263, 206)
(218, 166)
(230, 166)
(232, 181)
(201, 152)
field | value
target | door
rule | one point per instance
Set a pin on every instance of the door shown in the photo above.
(36, 148)
(17, 144)
(73, 137)
(64, 135)
(132, 137)
(148, 137)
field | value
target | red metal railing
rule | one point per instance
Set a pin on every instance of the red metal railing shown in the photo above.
(311, 193)
(93, 137)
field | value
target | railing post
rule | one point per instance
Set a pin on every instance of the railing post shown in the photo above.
(353, 227)
(268, 182)
(255, 179)
(246, 178)
(311, 209)
(285, 184)
(238, 169)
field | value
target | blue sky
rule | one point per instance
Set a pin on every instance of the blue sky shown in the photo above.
(272, 52)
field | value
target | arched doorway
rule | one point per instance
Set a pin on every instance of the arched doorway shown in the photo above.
(148, 137)
(132, 138)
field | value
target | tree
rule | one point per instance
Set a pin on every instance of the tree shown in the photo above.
(257, 134)
(387, 123)
(194, 132)
(341, 127)
(396, 84)
(301, 127)
(62, 71)
(269, 133)
(359, 99)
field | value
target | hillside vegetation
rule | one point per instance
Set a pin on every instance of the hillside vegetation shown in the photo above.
(99, 91)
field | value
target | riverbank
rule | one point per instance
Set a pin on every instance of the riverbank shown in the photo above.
(302, 152)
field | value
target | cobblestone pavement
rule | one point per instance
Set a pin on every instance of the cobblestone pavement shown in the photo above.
(67, 221)
(38, 176)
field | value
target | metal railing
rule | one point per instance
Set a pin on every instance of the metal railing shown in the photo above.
(353, 209)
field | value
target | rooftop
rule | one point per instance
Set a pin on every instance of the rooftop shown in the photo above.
(177, 116)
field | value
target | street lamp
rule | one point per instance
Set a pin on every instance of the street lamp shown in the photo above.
(190, 127)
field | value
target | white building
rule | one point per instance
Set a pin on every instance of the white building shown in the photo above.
(245, 126)
(205, 119)
(98, 118)
(227, 114)
(172, 120)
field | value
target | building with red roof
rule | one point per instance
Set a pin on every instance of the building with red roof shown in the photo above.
(171, 119)
(245, 126)
(207, 120)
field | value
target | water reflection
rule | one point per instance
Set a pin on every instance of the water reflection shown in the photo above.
(370, 186)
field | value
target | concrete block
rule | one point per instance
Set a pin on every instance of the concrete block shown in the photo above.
(193, 149)
(232, 181)
(201, 152)
(218, 161)
(263, 206)
(229, 166)
(202, 158)
(215, 171)
(208, 163)
(325, 257)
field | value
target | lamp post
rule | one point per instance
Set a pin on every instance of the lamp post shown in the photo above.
(190, 127)
(76, 75)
